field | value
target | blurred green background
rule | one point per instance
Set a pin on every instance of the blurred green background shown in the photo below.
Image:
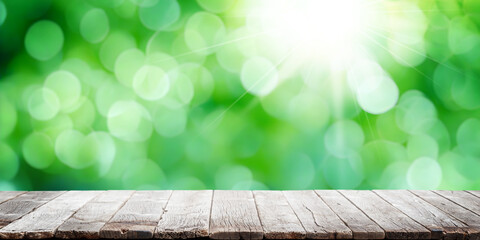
(239, 94)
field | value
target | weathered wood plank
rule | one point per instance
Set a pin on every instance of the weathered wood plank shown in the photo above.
(277, 217)
(18, 207)
(362, 227)
(395, 224)
(319, 221)
(234, 216)
(187, 215)
(462, 198)
(43, 222)
(241, 214)
(138, 217)
(467, 217)
(439, 223)
(7, 195)
(476, 193)
(88, 220)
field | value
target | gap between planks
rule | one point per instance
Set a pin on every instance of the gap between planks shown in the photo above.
(224, 214)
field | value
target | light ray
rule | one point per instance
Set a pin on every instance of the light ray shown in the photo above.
(414, 68)
(413, 50)
(220, 116)
(209, 47)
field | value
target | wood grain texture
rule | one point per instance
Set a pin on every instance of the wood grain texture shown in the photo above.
(43, 222)
(393, 214)
(187, 215)
(319, 221)
(234, 216)
(362, 227)
(139, 216)
(476, 193)
(21, 205)
(467, 217)
(88, 220)
(7, 195)
(439, 223)
(463, 199)
(278, 219)
(395, 224)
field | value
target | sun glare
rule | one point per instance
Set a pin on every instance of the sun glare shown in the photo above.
(330, 29)
(333, 22)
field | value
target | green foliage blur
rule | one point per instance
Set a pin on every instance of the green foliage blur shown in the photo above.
(239, 94)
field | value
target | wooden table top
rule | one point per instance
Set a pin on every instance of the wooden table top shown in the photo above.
(221, 214)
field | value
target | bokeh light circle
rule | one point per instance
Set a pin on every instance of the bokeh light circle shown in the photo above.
(129, 121)
(109, 93)
(343, 172)
(115, 43)
(186, 55)
(39, 150)
(465, 165)
(81, 69)
(388, 129)
(343, 138)
(104, 151)
(151, 83)
(53, 127)
(259, 76)
(300, 166)
(228, 177)
(408, 25)
(181, 90)
(78, 151)
(422, 145)
(394, 176)
(170, 122)
(66, 86)
(127, 64)
(415, 113)
(377, 155)
(441, 134)
(94, 25)
(161, 60)
(365, 76)
(44, 40)
(202, 80)
(143, 174)
(443, 78)
(232, 56)
(67, 149)
(203, 32)
(84, 115)
(424, 173)
(465, 91)
(159, 15)
(3, 12)
(283, 95)
(308, 111)
(408, 55)
(43, 104)
(468, 137)
(381, 99)
(463, 35)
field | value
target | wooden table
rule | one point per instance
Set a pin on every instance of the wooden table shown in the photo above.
(320, 214)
